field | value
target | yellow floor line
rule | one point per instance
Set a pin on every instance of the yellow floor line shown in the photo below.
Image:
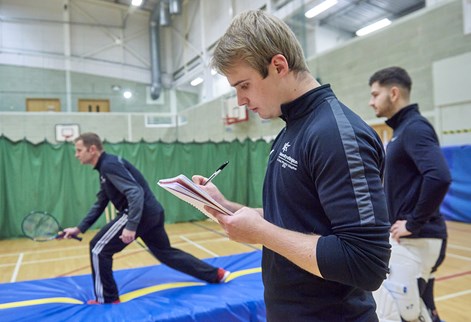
(128, 296)
(49, 300)
(156, 288)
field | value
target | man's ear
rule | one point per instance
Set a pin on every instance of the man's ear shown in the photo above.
(280, 63)
(394, 93)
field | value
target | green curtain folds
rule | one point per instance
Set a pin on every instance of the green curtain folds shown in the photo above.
(47, 177)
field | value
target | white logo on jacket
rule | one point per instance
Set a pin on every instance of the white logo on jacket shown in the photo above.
(285, 147)
(286, 160)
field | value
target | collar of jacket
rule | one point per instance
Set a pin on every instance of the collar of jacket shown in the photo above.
(305, 103)
(403, 114)
(100, 159)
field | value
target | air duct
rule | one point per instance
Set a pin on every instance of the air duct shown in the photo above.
(154, 32)
(164, 13)
(175, 7)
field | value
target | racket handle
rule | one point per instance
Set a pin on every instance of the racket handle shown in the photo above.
(76, 237)
(61, 234)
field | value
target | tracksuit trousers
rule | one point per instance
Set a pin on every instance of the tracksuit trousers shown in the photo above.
(106, 243)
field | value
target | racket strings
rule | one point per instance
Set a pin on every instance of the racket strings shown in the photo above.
(40, 226)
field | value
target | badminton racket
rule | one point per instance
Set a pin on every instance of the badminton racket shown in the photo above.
(41, 226)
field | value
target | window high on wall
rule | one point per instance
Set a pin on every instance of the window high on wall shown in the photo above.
(467, 16)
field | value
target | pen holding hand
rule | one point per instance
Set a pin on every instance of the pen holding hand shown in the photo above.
(214, 192)
(216, 173)
(210, 188)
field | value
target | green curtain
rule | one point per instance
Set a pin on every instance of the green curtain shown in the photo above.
(47, 177)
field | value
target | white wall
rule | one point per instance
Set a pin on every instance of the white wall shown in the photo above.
(107, 39)
(452, 96)
(79, 35)
(327, 38)
(430, 38)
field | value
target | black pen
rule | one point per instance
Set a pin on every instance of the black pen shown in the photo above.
(216, 172)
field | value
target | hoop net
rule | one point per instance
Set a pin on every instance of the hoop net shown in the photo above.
(67, 133)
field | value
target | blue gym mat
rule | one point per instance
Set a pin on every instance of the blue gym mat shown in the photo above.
(457, 203)
(153, 293)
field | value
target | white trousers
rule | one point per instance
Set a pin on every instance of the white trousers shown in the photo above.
(399, 295)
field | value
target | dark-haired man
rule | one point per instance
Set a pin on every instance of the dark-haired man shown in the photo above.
(416, 181)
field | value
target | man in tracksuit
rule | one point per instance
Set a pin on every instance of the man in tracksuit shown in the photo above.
(416, 181)
(324, 224)
(139, 215)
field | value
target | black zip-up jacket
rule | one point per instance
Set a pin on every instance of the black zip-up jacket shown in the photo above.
(123, 185)
(416, 174)
(324, 177)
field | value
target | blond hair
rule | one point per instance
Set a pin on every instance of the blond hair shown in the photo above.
(254, 37)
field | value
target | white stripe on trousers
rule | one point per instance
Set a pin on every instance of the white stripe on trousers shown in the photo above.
(102, 242)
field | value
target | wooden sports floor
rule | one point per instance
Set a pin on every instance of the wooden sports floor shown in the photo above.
(23, 259)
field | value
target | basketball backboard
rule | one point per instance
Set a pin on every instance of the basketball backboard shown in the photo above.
(67, 132)
(234, 113)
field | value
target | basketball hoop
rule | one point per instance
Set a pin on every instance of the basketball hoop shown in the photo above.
(235, 114)
(67, 132)
(230, 120)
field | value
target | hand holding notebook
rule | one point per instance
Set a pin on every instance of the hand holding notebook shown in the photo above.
(188, 191)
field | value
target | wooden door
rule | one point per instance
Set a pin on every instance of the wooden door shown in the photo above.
(384, 132)
(43, 105)
(93, 105)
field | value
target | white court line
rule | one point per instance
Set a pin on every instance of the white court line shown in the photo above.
(199, 246)
(465, 258)
(17, 268)
(45, 260)
(49, 250)
(56, 259)
(62, 258)
(9, 255)
(52, 250)
(453, 295)
(458, 247)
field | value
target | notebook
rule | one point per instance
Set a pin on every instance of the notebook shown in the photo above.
(188, 191)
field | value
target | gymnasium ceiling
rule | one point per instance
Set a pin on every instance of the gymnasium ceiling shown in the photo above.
(348, 16)
(351, 15)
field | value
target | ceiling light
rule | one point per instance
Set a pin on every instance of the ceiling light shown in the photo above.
(175, 7)
(373, 27)
(320, 8)
(127, 94)
(136, 3)
(196, 81)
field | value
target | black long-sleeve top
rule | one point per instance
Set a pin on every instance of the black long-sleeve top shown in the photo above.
(324, 177)
(125, 186)
(416, 174)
